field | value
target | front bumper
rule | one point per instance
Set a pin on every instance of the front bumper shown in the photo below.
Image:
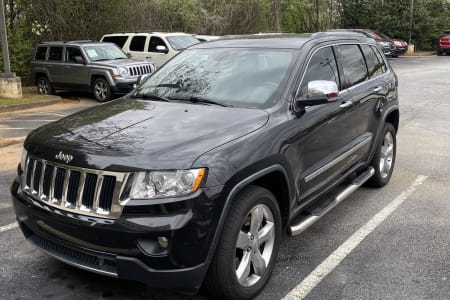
(128, 247)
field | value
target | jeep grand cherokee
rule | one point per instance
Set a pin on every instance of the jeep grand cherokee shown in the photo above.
(192, 178)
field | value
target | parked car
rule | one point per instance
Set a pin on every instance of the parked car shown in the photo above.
(158, 47)
(192, 178)
(401, 46)
(100, 68)
(443, 45)
(385, 45)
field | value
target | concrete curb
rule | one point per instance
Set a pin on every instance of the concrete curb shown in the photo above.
(16, 107)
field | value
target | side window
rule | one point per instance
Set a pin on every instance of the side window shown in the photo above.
(71, 52)
(380, 59)
(373, 65)
(322, 66)
(154, 42)
(353, 65)
(137, 43)
(40, 53)
(119, 40)
(55, 53)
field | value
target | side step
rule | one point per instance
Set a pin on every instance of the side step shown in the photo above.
(313, 218)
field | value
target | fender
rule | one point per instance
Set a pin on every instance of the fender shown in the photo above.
(232, 194)
(380, 129)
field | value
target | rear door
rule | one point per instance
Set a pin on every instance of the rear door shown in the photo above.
(138, 45)
(361, 74)
(54, 66)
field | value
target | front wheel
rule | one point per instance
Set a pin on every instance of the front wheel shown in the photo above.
(102, 90)
(384, 159)
(248, 247)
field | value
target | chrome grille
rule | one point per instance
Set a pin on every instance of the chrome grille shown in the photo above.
(83, 191)
(140, 70)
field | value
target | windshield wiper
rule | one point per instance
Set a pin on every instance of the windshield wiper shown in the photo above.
(196, 99)
(149, 97)
(102, 59)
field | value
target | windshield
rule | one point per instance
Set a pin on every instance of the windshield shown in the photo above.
(104, 52)
(180, 42)
(233, 77)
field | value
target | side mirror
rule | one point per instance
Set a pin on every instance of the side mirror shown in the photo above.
(162, 49)
(78, 60)
(320, 92)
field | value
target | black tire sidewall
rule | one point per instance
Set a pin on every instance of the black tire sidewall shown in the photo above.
(108, 94)
(225, 251)
(377, 180)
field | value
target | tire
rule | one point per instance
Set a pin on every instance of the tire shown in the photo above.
(384, 159)
(439, 53)
(44, 87)
(240, 252)
(102, 90)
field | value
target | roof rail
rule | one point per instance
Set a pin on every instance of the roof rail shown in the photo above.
(346, 33)
(81, 41)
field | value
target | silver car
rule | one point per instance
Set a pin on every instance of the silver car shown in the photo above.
(101, 68)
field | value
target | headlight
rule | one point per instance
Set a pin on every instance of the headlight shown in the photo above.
(122, 71)
(163, 184)
(397, 43)
(23, 159)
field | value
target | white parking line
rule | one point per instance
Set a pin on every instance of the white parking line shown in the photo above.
(16, 128)
(5, 205)
(332, 261)
(8, 227)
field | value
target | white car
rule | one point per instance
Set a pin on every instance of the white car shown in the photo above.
(158, 47)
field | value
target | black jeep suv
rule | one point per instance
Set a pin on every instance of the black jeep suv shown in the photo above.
(191, 179)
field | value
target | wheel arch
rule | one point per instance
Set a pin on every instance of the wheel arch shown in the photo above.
(264, 178)
(393, 117)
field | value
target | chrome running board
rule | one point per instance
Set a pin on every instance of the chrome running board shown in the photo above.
(313, 218)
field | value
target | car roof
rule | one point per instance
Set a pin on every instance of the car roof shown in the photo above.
(148, 33)
(279, 41)
(74, 43)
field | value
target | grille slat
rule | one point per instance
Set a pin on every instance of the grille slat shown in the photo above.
(89, 191)
(59, 185)
(83, 191)
(46, 184)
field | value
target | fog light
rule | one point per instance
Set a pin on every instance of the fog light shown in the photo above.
(163, 241)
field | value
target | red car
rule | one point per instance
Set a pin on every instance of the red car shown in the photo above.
(443, 45)
(400, 45)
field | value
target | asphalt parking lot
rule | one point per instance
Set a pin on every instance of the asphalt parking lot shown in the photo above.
(390, 243)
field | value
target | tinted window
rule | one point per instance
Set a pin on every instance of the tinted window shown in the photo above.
(40, 53)
(154, 42)
(71, 52)
(380, 59)
(322, 66)
(373, 65)
(353, 64)
(55, 53)
(137, 43)
(119, 40)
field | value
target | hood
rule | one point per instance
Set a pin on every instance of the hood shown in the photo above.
(138, 134)
(119, 63)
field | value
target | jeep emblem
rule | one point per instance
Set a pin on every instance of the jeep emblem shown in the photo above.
(67, 158)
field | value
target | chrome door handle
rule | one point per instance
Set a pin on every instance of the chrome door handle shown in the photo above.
(346, 104)
(378, 89)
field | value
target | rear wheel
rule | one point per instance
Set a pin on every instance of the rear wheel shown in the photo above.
(384, 159)
(248, 248)
(439, 53)
(102, 90)
(44, 86)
